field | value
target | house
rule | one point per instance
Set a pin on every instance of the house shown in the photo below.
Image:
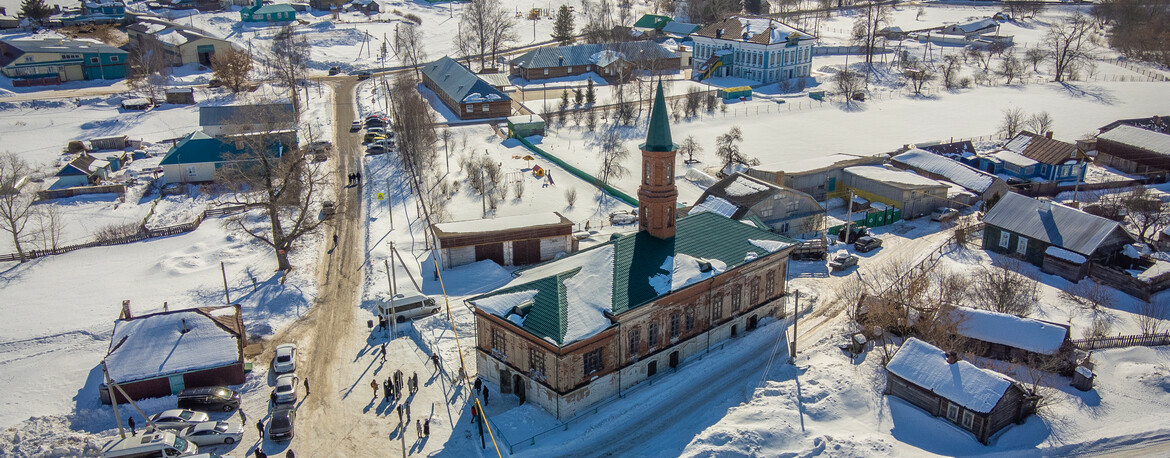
(962, 151)
(653, 22)
(366, 6)
(1135, 150)
(83, 170)
(785, 211)
(8, 21)
(463, 92)
(1060, 240)
(761, 49)
(179, 43)
(813, 174)
(985, 185)
(509, 241)
(276, 12)
(238, 119)
(1011, 338)
(913, 194)
(34, 62)
(197, 157)
(611, 61)
(973, 28)
(680, 30)
(977, 400)
(1155, 123)
(160, 354)
(102, 11)
(1037, 158)
(572, 332)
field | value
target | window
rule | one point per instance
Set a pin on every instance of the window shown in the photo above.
(674, 326)
(93, 60)
(690, 318)
(535, 360)
(669, 173)
(792, 204)
(766, 210)
(593, 361)
(470, 109)
(28, 59)
(1004, 238)
(736, 298)
(670, 217)
(755, 291)
(635, 341)
(113, 58)
(952, 412)
(1021, 245)
(570, 69)
(646, 173)
(486, 108)
(499, 339)
(546, 71)
(652, 335)
(717, 308)
(770, 284)
(968, 420)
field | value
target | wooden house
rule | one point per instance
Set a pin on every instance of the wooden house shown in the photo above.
(83, 170)
(979, 401)
(179, 43)
(1039, 158)
(784, 211)
(610, 61)
(1016, 339)
(1135, 150)
(509, 241)
(984, 185)
(463, 92)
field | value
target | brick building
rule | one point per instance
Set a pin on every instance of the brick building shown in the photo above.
(464, 92)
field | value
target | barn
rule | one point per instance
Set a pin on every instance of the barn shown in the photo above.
(979, 401)
(1017, 339)
(160, 354)
(509, 241)
(1134, 150)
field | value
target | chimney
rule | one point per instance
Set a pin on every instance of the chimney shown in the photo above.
(165, 308)
(186, 328)
(126, 314)
(1048, 135)
(718, 33)
(952, 357)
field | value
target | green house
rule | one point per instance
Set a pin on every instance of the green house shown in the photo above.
(652, 21)
(259, 12)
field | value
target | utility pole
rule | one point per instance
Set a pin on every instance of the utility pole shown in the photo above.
(795, 316)
(848, 216)
(113, 400)
(392, 281)
(223, 271)
(390, 204)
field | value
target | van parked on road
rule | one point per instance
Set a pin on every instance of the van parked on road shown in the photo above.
(160, 444)
(408, 306)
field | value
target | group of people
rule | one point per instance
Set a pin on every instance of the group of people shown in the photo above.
(355, 177)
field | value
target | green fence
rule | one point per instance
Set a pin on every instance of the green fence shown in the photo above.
(874, 219)
(582, 175)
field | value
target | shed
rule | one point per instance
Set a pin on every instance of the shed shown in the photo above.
(181, 96)
(160, 354)
(1012, 338)
(509, 240)
(730, 93)
(914, 194)
(781, 210)
(136, 103)
(1134, 150)
(525, 126)
(114, 142)
(977, 400)
(816, 175)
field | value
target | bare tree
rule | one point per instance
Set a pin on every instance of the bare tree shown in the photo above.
(866, 28)
(1041, 123)
(918, 75)
(415, 134)
(978, 55)
(1035, 56)
(288, 60)
(1012, 122)
(409, 41)
(50, 223)
(1150, 316)
(16, 208)
(1010, 68)
(232, 66)
(484, 30)
(848, 82)
(571, 196)
(1145, 211)
(1004, 289)
(1089, 294)
(690, 147)
(727, 149)
(518, 188)
(1070, 44)
(149, 69)
(613, 154)
(952, 65)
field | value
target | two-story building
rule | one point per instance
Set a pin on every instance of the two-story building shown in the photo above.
(276, 12)
(783, 210)
(33, 62)
(610, 61)
(761, 49)
(181, 44)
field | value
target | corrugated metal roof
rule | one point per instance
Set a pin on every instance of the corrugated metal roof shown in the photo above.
(1044, 149)
(279, 113)
(1052, 223)
(757, 30)
(955, 171)
(681, 28)
(579, 55)
(1148, 140)
(56, 45)
(458, 82)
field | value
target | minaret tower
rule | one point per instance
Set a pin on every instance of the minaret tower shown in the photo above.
(657, 195)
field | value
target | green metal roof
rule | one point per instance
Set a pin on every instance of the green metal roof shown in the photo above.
(198, 147)
(652, 21)
(658, 134)
(638, 257)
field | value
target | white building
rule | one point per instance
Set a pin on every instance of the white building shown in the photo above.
(761, 49)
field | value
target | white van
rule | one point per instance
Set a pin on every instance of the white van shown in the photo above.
(408, 306)
(161, 444)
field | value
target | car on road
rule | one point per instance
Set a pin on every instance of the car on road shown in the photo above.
(867, 244)
(213, 432)
(285, 359)
(364, 76)
(149, 444)
(285, 391)
(334, 70)
(209, 398)
(281, 426)
(327, 211)
(177, 418)
(356, 126)
(842, 260)
(944, 214)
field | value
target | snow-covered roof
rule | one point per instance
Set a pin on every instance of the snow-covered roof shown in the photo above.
(1013, 158)
(155, 345)
(810, 162)
(500, 224)
(1159, 269)
(1061, 253)
(955, 171)
(896, 177)
(1052, 223)
(717, 205)
(1154, 142)
(753, 29)
(743, 186)
(962, 383)
(1025, 333)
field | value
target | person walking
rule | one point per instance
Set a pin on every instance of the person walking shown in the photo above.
(485, 395)
(418, 425)
(406, 405)
(130, 421)
(260, 428)
(290, 454)
(334, 239)
(374, 386)
(386, 390)
(478, 384)
(474, 412)
(260, 453)
(383, 352)
(435, 359)
(307, 386)
(427, 428)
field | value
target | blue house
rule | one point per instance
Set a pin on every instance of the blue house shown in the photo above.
(32, 62)
(259, 12)
(197, 157)
(1039, 158)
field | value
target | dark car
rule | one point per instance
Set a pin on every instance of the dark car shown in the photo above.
(280, 427)
(364, 75)
(867, 243)
(214, 83)
(375, 122)
(334, 70)
(209, 398)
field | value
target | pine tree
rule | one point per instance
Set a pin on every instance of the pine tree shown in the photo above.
(563, 27)
(35, 10)
(590, 96)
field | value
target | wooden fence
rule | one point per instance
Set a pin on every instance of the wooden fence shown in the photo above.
(1142, 340)
(118, 189)
(142, 234)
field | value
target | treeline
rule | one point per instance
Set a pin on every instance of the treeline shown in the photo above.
(1140, 29)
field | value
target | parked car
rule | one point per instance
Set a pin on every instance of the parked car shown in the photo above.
(374, 149)
(327, 211)
(944, 214)
(362, 76)
(372, 136)
(356, 126)
(208, 398)
(867, 243)
(285, 391)
(408, 306)
(376, 130)
(285, 359)
(375, 122)
(385, 143)
(334, 70)
(214, 83)
(154, 444)
(177, 418)
(213, 432)
(280, 427)
(842, 260)
(623, 217)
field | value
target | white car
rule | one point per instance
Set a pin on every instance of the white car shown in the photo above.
(286, 357)
(213, 432)
(286, 389)
(177, 418)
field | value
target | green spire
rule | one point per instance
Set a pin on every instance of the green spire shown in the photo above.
(658, 136)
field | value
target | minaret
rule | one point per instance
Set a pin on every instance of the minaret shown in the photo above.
(657, 194)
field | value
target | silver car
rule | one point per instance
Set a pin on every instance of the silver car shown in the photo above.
(213, 432)
(177, 418)
(285, 360)
(285, 391)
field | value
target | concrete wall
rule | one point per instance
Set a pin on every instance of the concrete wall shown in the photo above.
(551, 246)
(181, 173)
(458, 256)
